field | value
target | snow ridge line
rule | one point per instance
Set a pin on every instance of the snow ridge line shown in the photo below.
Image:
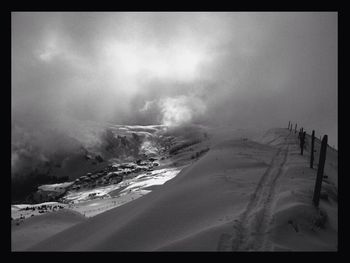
(250, 229)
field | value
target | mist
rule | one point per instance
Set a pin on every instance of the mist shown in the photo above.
(239, 69)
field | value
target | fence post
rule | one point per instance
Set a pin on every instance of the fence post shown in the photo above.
(302, 142)
(312, 149)
(288, 125)
(318, 184)
(295, 129)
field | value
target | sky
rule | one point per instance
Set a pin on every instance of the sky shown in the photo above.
(242, 69)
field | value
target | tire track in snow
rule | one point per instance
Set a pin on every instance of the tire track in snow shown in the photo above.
(250, 229)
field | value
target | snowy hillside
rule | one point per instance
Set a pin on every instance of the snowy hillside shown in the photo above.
(240, 195)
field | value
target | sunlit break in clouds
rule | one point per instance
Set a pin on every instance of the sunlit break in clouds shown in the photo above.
(178, 62)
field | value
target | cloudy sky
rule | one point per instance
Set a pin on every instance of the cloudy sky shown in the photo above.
(242, 69)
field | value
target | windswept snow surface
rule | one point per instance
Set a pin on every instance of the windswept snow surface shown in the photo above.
(26, 234)
(242, 195)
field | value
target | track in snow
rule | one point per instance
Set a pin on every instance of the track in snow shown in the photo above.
(250, 230)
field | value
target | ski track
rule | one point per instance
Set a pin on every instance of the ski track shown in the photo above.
(251, 229)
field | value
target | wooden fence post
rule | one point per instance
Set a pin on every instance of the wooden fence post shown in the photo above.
(319, 178)
(303, 134)
(312, 149)
(302, 142)
(288, 125)
(295, 129)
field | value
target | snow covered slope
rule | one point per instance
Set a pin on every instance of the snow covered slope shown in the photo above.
(242, 195)
(26, 234)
